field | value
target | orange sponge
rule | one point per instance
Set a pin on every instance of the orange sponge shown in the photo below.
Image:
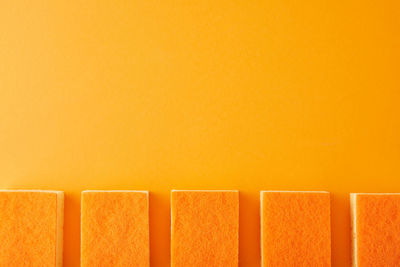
(31, 227)
(376, 229)
(115, 228)
(295, 228)
(205, 228)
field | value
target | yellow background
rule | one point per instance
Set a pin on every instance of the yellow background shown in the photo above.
(158, 95)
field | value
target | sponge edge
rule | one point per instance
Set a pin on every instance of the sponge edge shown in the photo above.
(32, 223)
(353, 218)
(60, 228)
(115, 228)
(295, 228)
(375, 228)
(204, 228)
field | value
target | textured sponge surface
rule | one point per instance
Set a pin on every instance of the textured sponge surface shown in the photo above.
(28, 228)
(295, 229)
(205, 228)
(378, 230)
(115, 229)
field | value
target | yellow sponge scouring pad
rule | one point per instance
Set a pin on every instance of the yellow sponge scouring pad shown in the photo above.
(115, 229)
(295, 228)
(204, 228)
(376, 229)
(31, 228)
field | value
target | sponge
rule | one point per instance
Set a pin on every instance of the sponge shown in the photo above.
(376, 229)
(205, 228)
(115, 229)
(31, 228)
(295, 228)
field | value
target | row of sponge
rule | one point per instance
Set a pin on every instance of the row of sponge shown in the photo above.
(295, 228)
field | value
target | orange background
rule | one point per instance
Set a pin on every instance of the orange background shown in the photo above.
(158, 95)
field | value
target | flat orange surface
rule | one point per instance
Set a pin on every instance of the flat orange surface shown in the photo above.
(378, 230)
(296, 229)
(204, 228)
(201, 94)
(115, 229)
(28, 229)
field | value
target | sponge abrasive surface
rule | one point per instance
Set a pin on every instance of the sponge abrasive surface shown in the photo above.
(295, 228)
(377, 229)
(205, 228)
(31, 228)
(115, 228)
